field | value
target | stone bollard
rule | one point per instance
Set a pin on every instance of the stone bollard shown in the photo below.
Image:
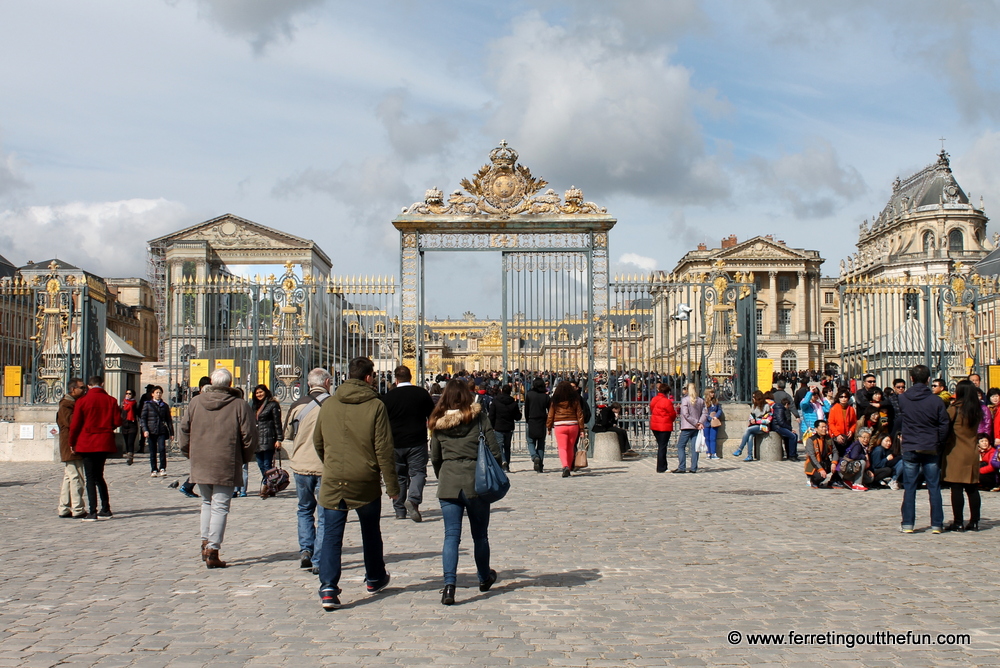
(606, 447)
(770, 447)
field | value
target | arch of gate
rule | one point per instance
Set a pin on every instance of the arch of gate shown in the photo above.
(554, 263)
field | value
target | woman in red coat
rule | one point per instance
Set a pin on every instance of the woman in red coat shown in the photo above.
(662, 415)
(92, 436)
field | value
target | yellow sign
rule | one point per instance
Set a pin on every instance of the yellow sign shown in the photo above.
(993, 374)
(198, 370)
(765, 374)
(238, 373)
(264, 372)
(12, 381)
(228, 365)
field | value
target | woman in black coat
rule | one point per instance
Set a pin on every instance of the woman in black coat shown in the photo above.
(269, 431)
(504, 413)
(157, 426)
(536, 412)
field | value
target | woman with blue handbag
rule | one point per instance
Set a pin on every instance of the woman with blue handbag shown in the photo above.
(456, 425)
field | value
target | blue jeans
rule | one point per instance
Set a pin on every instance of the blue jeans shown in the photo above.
(791, 441)
(711, 438)
(687, 436)
(310, 533)
(504, 439)
(479, 523)
(748, 438)
(265, 461)
(536, 448)
(334, 520)
(914, 464)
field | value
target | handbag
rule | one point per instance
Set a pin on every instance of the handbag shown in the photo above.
(715, 423)
(275, 480)
(580, 458)
(700, 444)
(492, 484)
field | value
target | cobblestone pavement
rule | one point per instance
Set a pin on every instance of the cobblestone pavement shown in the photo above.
(616, 567)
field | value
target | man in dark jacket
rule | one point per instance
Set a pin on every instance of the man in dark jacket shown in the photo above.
(781, 424)
(504, 414)
(536, 412)
(219, 436)
(408, 407)
(353, 438)
(863, 397)
(925, 428)
(71, 496)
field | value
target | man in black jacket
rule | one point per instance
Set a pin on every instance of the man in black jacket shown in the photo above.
(504, 413)
(536, 411)
(925, 428)
(408, 407)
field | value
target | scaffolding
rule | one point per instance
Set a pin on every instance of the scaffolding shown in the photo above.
(156, 273)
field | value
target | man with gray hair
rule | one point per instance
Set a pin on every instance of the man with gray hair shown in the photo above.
(306, 465)
(219, 436)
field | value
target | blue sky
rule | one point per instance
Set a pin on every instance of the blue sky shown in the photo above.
(688, 120)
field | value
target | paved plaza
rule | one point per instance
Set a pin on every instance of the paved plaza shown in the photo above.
(616, 567)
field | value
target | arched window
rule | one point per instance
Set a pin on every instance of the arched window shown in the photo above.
(956, 241)
(928, 241)
(354, 328)
(829, 336)
(789, 361)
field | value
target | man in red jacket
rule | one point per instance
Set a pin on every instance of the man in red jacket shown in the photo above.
(92, 436)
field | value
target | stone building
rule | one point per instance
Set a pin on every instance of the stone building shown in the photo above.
(133, 298)
(790, 313)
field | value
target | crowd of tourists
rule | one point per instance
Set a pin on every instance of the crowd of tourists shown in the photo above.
(344, 445)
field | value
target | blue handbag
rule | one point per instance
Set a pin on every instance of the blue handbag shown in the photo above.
(492, 483)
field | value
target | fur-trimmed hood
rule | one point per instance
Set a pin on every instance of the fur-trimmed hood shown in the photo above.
(453, 418)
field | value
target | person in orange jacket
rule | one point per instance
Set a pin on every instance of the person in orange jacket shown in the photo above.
(843, 421)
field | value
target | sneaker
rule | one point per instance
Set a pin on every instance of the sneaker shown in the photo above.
(305, 559)
(188, 492)
(937, 530)
(154, 474)
(105, 513)
(894, 485)
(163, 473)
(243, 494)
(905, 530)
(378, 585)
(859, 488)
(90, 517)
(329, 599)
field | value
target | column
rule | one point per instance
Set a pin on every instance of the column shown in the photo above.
(773, 286)
(801, 314)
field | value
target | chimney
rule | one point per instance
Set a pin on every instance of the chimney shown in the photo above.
(729, 242)
(702, 246)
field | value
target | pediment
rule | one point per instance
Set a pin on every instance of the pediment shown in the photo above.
(235, 233)
(760, 248)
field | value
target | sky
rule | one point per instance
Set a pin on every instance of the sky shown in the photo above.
(688, 120)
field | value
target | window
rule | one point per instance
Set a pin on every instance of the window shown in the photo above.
(354, 328)
(928, 241)
(783, 284)
(380, 327)
(829, 336)
(828, 298)
(760, 321)
(756, 283)
(956, 242)
(785, 321)
(789, 361)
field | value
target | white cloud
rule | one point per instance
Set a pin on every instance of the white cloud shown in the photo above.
(595, 110)
(11, 180)
(412, 139)
(812, 182)
(104, 238)
(262, 22)
(644, 263)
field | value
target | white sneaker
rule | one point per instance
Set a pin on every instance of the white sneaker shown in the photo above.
(154, 474)
(894, 485)
(163, 473)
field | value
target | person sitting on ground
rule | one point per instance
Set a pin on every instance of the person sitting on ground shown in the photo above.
(759, 422)
(854, 463)
(883, 463)
(842, 420)
(607, 421)
(878, 416)
(821, 456)
(988, 476)
(781, 424)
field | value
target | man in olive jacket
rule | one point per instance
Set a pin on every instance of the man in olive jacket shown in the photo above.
(354, 440)
(71, 503)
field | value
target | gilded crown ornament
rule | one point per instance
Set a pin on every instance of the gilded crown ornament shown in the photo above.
(503, 188)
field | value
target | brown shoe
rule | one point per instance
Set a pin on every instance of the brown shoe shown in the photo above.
(204, 550)
(212, 559)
